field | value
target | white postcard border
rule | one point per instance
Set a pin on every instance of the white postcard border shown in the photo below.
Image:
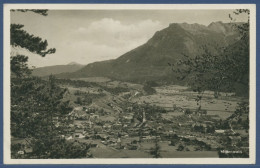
(6, 81)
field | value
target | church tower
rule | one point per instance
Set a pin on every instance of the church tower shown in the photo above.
(144, 119)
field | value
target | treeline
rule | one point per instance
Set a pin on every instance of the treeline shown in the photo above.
(183, 144)
(75, 83)
(116, 90)
(148, 87)
(86, 98)
(80, 83)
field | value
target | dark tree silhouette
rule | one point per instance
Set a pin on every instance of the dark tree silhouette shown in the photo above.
(43, 12)
(38, 111)
(155, 151)
(20, 38)
(227, 70)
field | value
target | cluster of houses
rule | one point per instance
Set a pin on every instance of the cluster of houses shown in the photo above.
(126, 132)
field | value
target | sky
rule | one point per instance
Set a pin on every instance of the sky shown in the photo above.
(86, 36)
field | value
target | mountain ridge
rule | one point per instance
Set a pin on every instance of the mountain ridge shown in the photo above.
(150, 60)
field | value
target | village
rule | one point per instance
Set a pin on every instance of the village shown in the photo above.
(116, 125)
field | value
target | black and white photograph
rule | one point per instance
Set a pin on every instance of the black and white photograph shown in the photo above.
(129, 84)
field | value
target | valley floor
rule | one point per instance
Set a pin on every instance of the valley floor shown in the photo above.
(120, 120)
(127, 124)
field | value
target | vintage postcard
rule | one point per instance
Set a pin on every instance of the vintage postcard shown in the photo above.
(129, 84)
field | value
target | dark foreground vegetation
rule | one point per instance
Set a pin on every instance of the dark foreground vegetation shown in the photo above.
(36, 104)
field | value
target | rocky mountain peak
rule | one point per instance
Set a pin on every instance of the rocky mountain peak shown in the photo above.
(220, 27)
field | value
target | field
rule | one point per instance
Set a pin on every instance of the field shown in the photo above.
(95, 79)
(168, 96)
(166, 151)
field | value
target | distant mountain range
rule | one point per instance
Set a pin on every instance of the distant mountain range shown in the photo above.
(56, 69)
(149, 61)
